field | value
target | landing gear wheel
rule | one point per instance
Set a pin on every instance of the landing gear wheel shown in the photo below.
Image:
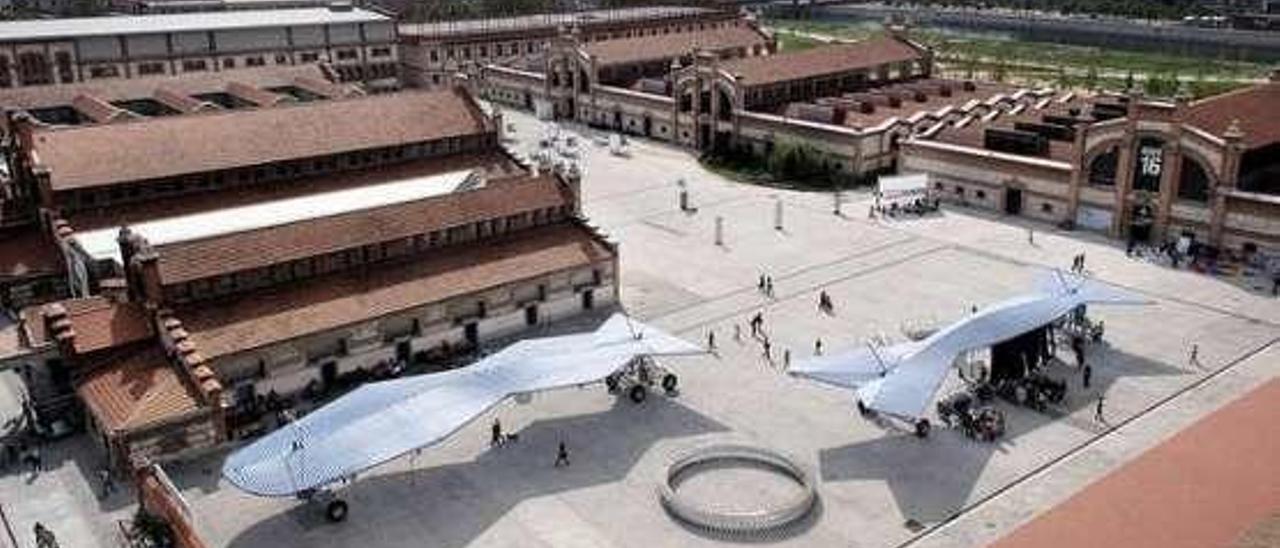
(611, 384)
(638, 393)
(336, 511)
(865, 411)
(922, 428)
(670, 382)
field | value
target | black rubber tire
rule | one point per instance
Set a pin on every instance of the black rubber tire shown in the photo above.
(611, 384)
(638, 393)
(922, 428)
(670, 382)
(865, 411)
(336, 511)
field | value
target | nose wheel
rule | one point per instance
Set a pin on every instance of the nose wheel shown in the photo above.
(336, 511)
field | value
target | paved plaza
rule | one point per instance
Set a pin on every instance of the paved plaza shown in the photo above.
(878, 485)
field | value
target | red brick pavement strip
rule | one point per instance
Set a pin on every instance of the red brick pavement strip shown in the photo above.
(1202, 488)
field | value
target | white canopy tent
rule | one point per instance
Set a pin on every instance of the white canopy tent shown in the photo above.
(384, 420)
(902, 379)
(894, 187)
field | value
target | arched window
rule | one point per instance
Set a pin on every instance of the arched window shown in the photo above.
(1102, 170)
(1194, 182)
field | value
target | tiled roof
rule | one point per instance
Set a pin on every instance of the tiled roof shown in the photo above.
(138, 389)
(820, 61)
(26, 251)
(202, 258)
(29, 97)
(671, 46)
(1256, 108)
(99, 323)
(80, 157)
(259, 319)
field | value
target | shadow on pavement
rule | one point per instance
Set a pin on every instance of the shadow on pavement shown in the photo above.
(933, 478)
(451, 505)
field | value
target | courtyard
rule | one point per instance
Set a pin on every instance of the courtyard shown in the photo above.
(877, 484)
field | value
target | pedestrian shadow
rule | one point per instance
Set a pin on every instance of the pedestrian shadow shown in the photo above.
(935, 478)
(451, 505)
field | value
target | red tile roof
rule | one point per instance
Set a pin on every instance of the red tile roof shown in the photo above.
(185, 261)
(80, 157)
(1256, 108)
(99, 323)
(29, 97)
(138, 389)
(820, 61)
(325, 303)
(671, 46)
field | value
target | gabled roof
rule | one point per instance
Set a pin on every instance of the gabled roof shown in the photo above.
(282, 243)
(139, 389)
(1256, 109)
(263, 318)
(83, 157)
(32, 97)
(820, 61)
(670, 46)
(99, 323)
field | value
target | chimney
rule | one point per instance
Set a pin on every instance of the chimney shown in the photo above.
(58, 328)
(146, 265)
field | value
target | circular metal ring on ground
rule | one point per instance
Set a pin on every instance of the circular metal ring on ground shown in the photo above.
(759, 520)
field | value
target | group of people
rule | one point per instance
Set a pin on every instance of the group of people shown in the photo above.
(765, 285)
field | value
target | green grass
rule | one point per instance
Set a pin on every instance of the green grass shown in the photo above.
(795, 42)
(1030, 59)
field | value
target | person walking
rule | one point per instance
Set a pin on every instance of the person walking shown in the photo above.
(495, 434)
(760, 285)
(1195, 356)
(562, 455)
(1031, 236)
(768, 285)
(1086, 374)
(786, 359)
(817, 346)
(44, 537)
(711, 340)
(768, 350)
(1097, 410)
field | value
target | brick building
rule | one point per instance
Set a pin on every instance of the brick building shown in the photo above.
(360, 45)
(283, 249)
(725, 89)
(435, 53)
(1133, 168)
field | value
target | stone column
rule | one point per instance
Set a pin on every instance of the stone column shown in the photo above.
(1226, 181)
(1124, 180)
(1170, 177)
